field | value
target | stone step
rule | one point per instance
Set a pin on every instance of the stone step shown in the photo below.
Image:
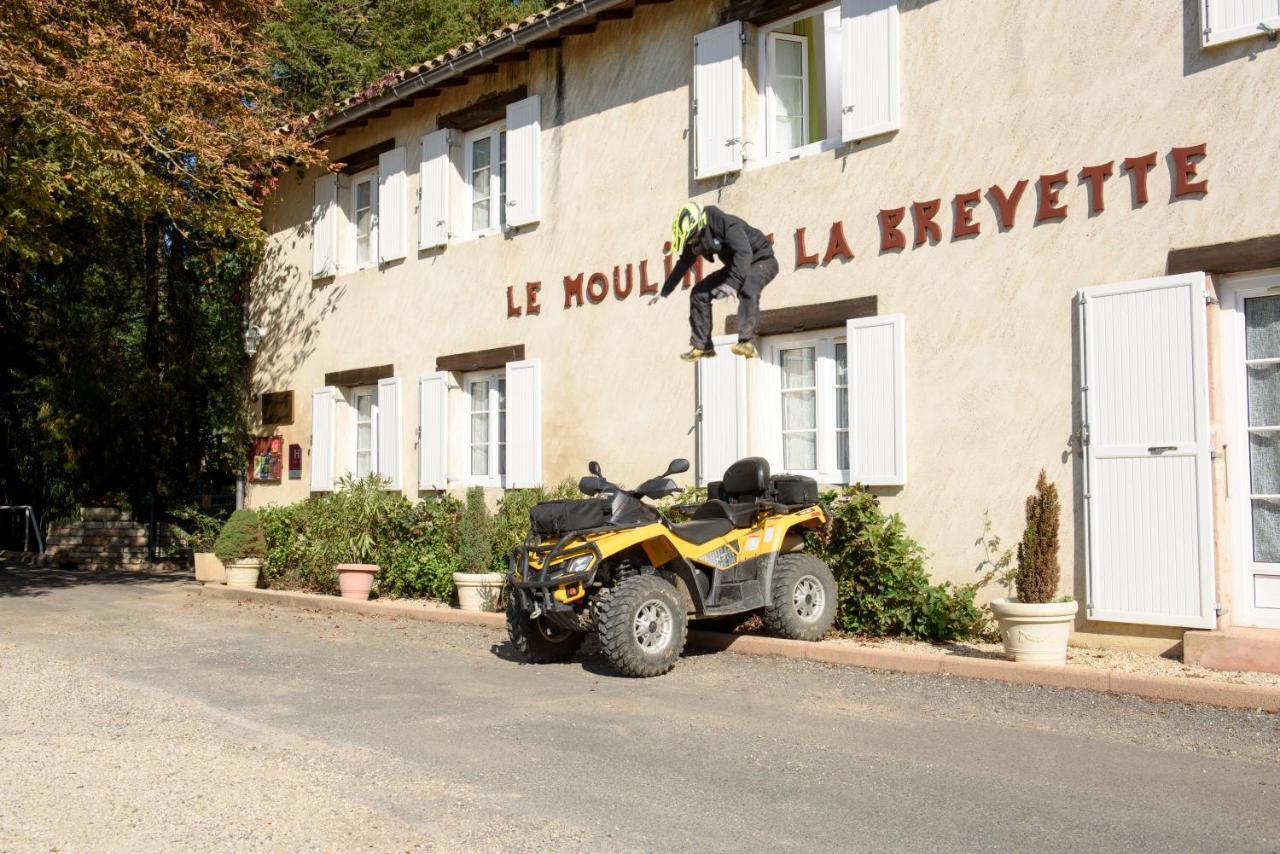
(95, 526)
(105, 514)
(96, 539)
(104, 554)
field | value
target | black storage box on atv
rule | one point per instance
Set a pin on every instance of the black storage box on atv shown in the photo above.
(793, 490)
(552, 518)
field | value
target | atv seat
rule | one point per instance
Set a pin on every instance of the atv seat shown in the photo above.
(734, 498)
(700, 531)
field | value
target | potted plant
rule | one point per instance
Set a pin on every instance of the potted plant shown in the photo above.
(1036, 624)
(203, 533)
(479, 587)
(241, 546)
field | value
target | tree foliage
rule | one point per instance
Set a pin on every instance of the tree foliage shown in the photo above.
(137, 138)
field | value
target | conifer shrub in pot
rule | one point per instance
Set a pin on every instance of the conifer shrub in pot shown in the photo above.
(241, 546)
(1036, 624)
(479, 587)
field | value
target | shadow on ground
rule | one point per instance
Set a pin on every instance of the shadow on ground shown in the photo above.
(17, 580)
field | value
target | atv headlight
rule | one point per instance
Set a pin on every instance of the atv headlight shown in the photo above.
(576, 564)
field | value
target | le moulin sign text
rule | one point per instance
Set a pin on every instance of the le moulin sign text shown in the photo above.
(918, 225)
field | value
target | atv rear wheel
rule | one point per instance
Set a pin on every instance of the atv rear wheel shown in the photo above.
(803, 601)
(535, 639)
(642, 626)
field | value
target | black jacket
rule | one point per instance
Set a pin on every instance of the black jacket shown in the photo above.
(738, 245)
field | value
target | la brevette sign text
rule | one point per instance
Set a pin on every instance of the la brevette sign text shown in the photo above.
(920, 225)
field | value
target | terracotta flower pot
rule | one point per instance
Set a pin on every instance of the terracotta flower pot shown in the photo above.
(243, 573)
(209, 570)
(479, 591)
(355, 580)
(1036, 633)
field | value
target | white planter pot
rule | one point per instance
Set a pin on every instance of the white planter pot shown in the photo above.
(209, 570)
(1037, 633)
(479, 591)
(243, 573)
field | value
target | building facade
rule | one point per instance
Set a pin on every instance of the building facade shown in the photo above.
(1012, 236)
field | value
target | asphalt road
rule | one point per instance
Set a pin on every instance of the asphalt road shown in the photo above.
(137, 716)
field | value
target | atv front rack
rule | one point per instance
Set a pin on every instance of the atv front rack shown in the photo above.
(552, 554)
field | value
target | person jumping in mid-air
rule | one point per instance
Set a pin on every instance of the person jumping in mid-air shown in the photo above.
(749, 265)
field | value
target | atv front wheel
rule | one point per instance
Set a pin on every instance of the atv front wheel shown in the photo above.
(642, 626)
(803, 604)
(536, 640)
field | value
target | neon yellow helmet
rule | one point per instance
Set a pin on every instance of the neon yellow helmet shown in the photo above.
(689, 219)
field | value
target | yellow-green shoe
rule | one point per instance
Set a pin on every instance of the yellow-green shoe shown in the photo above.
(695, 354)
(746, 349)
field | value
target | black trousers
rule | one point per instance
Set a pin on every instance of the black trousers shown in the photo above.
(760, 274)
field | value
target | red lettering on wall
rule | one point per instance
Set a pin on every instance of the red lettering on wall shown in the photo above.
(1184, 170)
(646, 287)
(572, 290)
(962, 210)
(803, 258)
(891, 237)
(1138, 167)
(1093, 176)
(618, 290)
(597, 288)
(1007, 204)
(837, 245)
(531, 290)
(769, 237)
(513, 310)
(923, 213)
(1047, 187)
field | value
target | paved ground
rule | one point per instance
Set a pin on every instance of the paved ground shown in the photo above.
(136, 716)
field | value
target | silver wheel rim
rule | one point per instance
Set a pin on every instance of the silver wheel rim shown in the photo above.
(653, 625)
(809, 598)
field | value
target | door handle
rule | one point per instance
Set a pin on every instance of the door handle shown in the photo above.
(1160, 449)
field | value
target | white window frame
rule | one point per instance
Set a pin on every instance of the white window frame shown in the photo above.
(497, 190)
(352, 394)
(771, 125)
(1211, 36)
(764, 94)
(370, 175)
(769, 394)
(497, 475)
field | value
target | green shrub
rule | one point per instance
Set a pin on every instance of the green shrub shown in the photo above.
(1038, 570)
(476, 553)
(199, 530)
(880, 572)
(412, 543)
(241, 537)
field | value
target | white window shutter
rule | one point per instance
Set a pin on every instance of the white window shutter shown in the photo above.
(721, 415)
(524, 424)
(433, 431)
(324, 227)
(1148, 489)
(390, 436)
(393, 193)
(524, 162)
(433, 183)
(717, 101)
(322, 409)
(877, 400)
(869, 85)
(1225, 21)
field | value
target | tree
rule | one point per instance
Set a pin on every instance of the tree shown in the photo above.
(137, 138)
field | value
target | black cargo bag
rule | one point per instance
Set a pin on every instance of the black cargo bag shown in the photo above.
(561, 517)
(793, 490)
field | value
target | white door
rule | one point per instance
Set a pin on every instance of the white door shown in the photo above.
(1148, 495)
(1251, 373)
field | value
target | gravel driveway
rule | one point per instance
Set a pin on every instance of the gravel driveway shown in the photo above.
(137, 716)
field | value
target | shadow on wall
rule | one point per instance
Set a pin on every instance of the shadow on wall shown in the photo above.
(290, 314)
(1196, 58)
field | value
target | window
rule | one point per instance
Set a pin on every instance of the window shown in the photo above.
(487, 396)
(801, 96)
(487, 179)
(810, 405)
(1224, 21)
(364, 219)
(364, 409)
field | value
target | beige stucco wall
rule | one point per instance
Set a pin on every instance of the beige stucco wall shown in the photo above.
(992, 92)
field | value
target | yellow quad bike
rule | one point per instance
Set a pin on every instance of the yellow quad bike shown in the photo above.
(611, 563)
